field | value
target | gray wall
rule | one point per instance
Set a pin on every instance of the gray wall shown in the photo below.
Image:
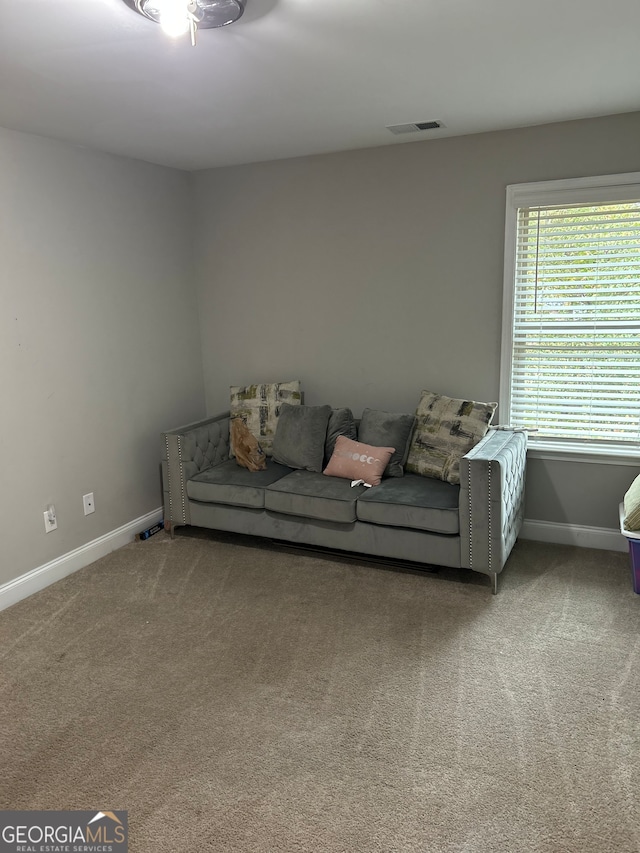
(99, 347)
(373, 274)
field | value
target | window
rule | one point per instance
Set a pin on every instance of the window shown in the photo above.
(571, 321)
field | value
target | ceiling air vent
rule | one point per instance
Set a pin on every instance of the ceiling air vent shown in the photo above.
(415, 127)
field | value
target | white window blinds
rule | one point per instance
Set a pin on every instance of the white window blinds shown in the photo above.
(575, 348)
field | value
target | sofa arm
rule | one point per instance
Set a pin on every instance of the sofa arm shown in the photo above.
(186, 451)
(492, 479)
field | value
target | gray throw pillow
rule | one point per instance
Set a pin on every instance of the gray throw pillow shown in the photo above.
(389, 430)
(300, 436)
(341, 422)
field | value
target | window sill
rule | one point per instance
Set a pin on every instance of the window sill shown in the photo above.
(559, 451)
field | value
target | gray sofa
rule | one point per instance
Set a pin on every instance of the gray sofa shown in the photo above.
(416, 519)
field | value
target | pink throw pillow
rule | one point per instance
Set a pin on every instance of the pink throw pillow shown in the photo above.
(354, 460)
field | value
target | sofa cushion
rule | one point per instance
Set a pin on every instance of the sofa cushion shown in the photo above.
(310, 495)
(416, 502)
(300, 436)
(388, 429)
(259, 407)
(445, 430)
(229, 483)
(341, 422)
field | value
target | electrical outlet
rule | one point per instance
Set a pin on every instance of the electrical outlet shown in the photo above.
(88, 503)
(50, 519)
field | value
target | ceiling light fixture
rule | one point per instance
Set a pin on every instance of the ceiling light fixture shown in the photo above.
(177, 17)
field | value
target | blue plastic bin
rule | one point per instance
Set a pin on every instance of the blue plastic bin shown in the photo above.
(634, 551)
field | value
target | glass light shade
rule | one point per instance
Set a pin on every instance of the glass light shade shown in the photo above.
(208, 13)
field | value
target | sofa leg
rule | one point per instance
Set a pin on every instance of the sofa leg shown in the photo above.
(493, 576)
(172, 531)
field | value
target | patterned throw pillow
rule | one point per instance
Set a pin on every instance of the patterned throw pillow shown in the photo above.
(632, 506)
(259, 407)
(445, 430)
(354, 460)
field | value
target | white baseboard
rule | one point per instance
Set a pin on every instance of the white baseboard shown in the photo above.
(605, 538)
(43, 576)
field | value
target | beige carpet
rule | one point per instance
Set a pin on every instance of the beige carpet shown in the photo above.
(237, 698)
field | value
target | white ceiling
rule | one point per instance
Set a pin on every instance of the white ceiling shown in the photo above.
(296, 77)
